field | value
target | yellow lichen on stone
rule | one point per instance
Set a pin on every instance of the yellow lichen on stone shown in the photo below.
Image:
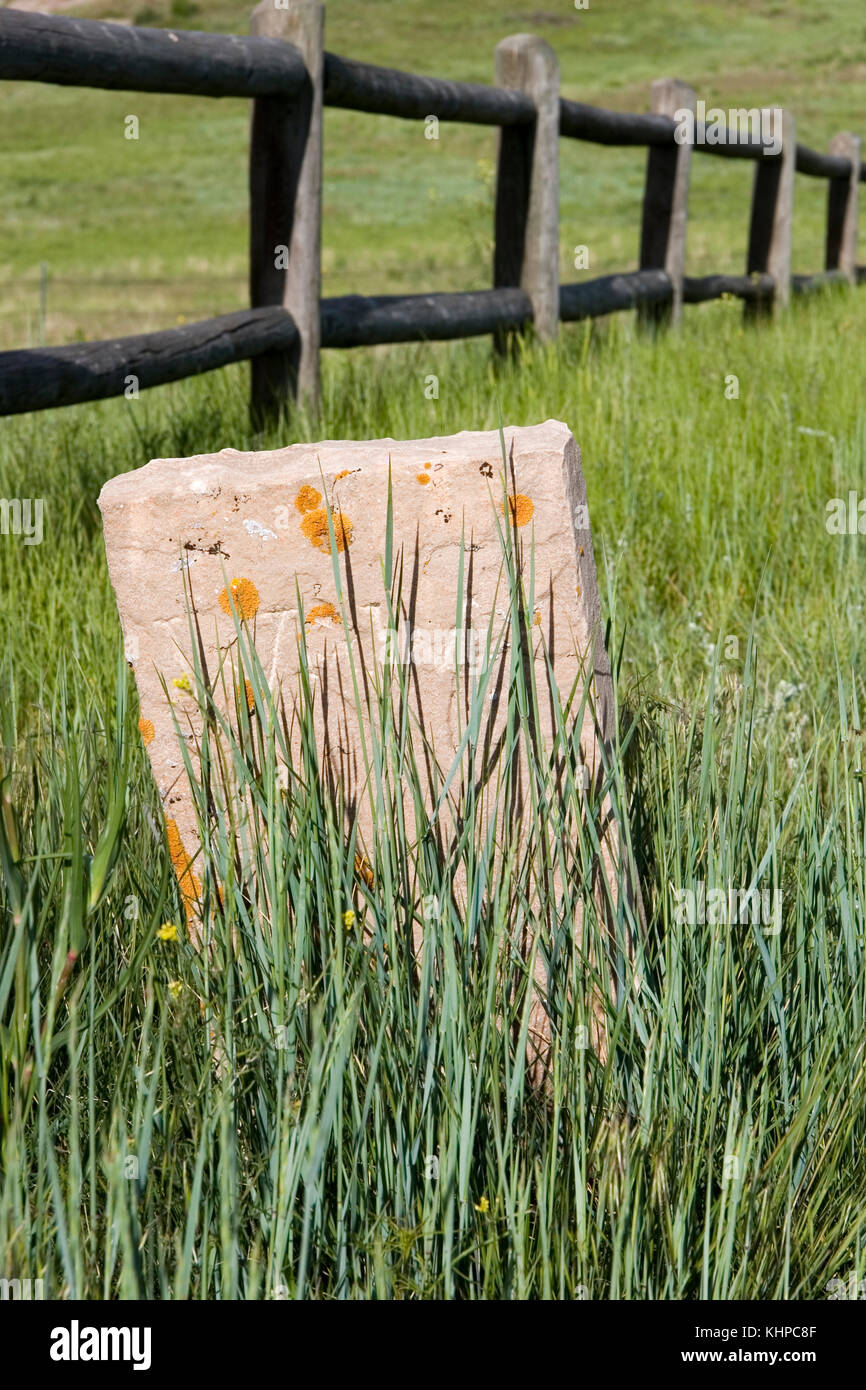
(190, 885)
(423, 478)
(146, 729)
(322, 611)
(315, 528)
(250, 697)
(363, 869)
(520, 509)
(245, 596)
(175, 843)
(307, 498)
(345, 473)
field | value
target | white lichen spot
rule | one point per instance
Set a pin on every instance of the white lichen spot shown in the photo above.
(184, 562)
(255, 528)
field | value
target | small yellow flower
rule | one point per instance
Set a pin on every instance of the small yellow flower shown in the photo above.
(348, 919)
(167, 932)
(175, 988)
(182, 683)
(482, 1206)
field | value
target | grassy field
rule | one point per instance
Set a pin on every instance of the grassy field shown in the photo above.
(134, 234)
(133, 1166)
(361, 1136)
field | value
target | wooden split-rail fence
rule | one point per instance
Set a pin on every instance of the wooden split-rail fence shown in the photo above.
(284, 69)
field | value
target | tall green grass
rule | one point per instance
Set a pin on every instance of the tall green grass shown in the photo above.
(293, 1113)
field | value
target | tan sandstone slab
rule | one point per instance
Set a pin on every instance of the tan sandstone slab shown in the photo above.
(255, 525)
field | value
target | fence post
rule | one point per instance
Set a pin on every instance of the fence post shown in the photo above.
(526, 225)
(286, 210)
(772, 218)
(666, 204)
(842, 194)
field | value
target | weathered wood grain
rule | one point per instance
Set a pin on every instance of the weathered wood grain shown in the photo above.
(666, 205)
(772, 220)
(842, 199)
(526, 218)
(286, 210)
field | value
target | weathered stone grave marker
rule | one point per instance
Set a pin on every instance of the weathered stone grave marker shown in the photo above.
(238, 537)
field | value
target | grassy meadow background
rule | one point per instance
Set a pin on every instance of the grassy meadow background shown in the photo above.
(134, 234)
(736, 628)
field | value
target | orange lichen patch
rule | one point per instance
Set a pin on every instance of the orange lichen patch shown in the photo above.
(423, 478)
(520, 509)
(190, 886)
(245, 597)
(175, 843)
(308, 498)
(345, 473)
(363, 869)
(250, 697)
(315, 528)
(146, 729)
(537, 619)
(322, 611)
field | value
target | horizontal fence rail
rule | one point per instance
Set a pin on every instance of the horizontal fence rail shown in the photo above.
(92, 53)
(593, 123)
(40, 378)
(386, 92)
(825, 166)
(284, 58)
